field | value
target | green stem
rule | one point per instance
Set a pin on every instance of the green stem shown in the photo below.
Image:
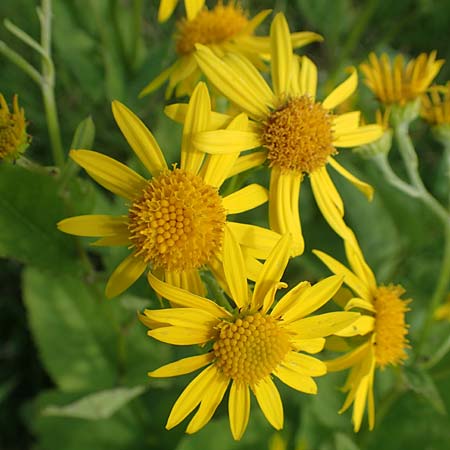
(21, 63)
(35, 167)
(138, 6)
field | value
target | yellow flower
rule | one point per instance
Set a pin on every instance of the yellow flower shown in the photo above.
(382, 327)
(166, 8)
(248, 343)
(176, 219)
(436, 105)
(397, 83)
(299, 133)
(14, 139)
(225, 28)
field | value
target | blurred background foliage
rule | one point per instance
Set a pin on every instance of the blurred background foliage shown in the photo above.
(61, 342)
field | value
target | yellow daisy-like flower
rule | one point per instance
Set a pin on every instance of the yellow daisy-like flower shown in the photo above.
(176, 219)
(393, 82)
(225, 28)
(299, 133)
(14, 139)
(382, 326)
(436, 105)
(247, 344)
(167, 7)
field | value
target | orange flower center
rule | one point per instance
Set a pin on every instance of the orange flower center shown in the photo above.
(210, 27)
(13, 136)
(178, 222)
(390, 327)
(299, 135)
(250, 348)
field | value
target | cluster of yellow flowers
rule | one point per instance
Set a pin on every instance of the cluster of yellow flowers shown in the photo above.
(178, 220)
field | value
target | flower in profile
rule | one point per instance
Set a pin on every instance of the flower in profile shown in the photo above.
(381, 327)
(176, 219)
(248, 343)
(397, 83)
(14, 139)
(224, 28)
(167, 7)
(436, 105)
(299, 133)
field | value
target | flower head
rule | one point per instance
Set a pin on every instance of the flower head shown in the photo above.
(397, 83)
(224, 28)
(382, 328)
(166, 8)
(436, 105)
(251, 341)
(299, 133)
(176, 219)
(14, 139)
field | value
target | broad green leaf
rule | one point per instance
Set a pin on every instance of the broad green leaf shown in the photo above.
(72, 330)
(99, 405)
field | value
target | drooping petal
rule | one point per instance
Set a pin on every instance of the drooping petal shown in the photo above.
(190, 397)
(234, 268)
(182, 366)
(272, 270)
(343, 91)
(183, 298)
(94, 225)
(125, 274)
(281, 52)
(111, 174)
(269, 401)
(238, 409)
(299, 382)
(244, 199)
(140, 138)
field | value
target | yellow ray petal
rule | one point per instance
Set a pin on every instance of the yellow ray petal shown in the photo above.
(357, 262)
(94, 225)
(358, 136)
(296, 381)
(190, 397)
(272, 270)
(269, 401)
(302, 38)
(193, 7)
(255, 21)
(347, 360)
(239, 409)
(322, 325)
(183, 317)
(211, 400)
(182, 366)
(252, 265)
(350, 279)
(166, 8)
(346, 122)
(304, 364)
(360, 327)
(111, 174)
(281, 52)
(290, 299)
(197, 117)
(177, 112)
(189, 280)
(234, 268)
(244, 199)
(313, 298)
(183, 298)
(158, 81)
(309, 345)
(247, 162)
(307, 80)
(226, 141)
(284, 214)
(125, 274)
(365, 188)
(360, 304)
(119, 240)
(229, 84)
(343, 91)
(181, 335)
(140, 138)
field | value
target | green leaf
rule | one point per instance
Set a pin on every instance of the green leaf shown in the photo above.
(84, 135)
(421, 382)
(72, 330)
(99, 405)
(344, 442)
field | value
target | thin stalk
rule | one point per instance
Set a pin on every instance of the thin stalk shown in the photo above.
(31, 166)
(21, 63)
(138, 6)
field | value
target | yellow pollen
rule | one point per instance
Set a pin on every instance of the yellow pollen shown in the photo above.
(390, 326)
(250, 348)
(177, 224)
(214, 26)
(299, 135)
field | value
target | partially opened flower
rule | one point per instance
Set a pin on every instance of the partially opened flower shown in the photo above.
(436, 105)
(223, 28)
(167, 7)
(397, 83)
(300, 133)
(248, 343)
(382, 328)
(176, 218)
(14, 139)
